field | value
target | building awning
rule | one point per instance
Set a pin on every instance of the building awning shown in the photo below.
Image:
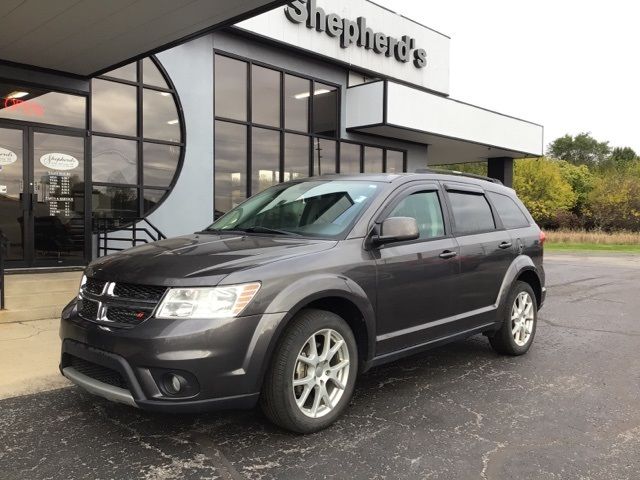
(88, 37)
(456, 132)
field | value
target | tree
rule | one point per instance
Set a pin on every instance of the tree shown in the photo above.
(582, 149)
(543, 189)
(622, 157)
(614, 202)
(581, 180)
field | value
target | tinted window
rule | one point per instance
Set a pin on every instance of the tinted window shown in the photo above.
(113, 107)
(265, 96)
(425, 208)
(114, 160)
(151, 75)
(160, 116)
(160, 162)
(324, 156)
(372, 160)
(296, 156)
(265, 159)
(231, 88)
(471, 212)
(231, 166)
(349, 158)
(510, 213)
(325, 110)
(296, 103)
(395, 161)
(115, 202)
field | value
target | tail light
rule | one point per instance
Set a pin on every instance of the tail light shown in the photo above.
(542, 238)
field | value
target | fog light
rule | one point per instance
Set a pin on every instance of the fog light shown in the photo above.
(174, 384)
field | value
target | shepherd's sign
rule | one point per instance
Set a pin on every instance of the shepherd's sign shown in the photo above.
(355, 32)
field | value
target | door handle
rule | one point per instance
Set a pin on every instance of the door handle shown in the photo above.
(448, 254)
(504, 245)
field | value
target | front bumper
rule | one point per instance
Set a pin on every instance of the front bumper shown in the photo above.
(223, 360)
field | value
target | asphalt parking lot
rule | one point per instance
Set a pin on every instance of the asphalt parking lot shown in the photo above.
(568, 409)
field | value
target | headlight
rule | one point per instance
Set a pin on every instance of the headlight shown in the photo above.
(82, 282)
(214, 302)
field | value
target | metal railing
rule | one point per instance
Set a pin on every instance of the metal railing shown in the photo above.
(110, 230)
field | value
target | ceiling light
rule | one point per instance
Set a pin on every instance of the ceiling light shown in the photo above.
(165, 94)
(172, 122)
(320, 91)
(17, 94)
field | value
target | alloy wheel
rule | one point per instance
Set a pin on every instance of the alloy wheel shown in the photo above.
(522, 317)
(321, 373)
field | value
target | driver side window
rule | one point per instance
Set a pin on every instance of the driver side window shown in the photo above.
(425, 208)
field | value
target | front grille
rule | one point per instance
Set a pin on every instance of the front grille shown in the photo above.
(88, 309)
(139, 292)
(94, 286)
(97, 372)
(127, 316)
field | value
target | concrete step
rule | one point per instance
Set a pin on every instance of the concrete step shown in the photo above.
(38, 296)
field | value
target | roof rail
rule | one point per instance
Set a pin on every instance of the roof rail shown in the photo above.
(444, 171)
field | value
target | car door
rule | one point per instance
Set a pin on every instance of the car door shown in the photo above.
(486, 251)
(415, 278)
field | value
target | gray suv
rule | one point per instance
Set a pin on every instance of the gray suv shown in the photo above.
(284, 300)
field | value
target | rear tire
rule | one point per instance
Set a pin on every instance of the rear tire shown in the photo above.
(318, 352)
(520, 318)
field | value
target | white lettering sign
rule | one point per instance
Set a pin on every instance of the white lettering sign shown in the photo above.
(7, 157)
(59, 161)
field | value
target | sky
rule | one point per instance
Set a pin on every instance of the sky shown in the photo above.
(572, 66)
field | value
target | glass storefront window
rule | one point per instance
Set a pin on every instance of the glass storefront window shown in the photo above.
(159, 163)
(230, 88)
(296, 156)
(296, 103)
(265, 159)
(42, 106)
(127, 72)
(114, 202)
(151, 198)
(158, 140)
(114, 160)
(373, 160)
(160, 116)
(151, 74)
(395, 161)
(230, 166)
(324, 156)
(265, 96)
(325, 110)
(349, 158)
(113, 107)
(12, 178)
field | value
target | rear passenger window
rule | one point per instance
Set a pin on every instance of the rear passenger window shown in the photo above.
(471, 213)
(508, 210)
(425, 208)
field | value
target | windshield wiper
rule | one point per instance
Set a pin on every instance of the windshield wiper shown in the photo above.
(261, 229)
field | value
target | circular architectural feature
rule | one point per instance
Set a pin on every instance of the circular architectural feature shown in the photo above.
(137, 140)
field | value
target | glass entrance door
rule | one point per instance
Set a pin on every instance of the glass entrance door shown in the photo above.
(42, 197)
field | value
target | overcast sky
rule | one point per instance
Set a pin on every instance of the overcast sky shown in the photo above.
(570, 65)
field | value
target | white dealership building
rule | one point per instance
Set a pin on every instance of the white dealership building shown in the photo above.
(167, 132)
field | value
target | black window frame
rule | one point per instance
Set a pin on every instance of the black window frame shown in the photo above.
(140, 139)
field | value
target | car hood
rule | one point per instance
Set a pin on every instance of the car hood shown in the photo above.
(199, 259)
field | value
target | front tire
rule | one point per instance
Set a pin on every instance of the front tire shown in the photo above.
(312, 375)
(520, 318)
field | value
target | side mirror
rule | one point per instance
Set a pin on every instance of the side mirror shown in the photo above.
(397, 229)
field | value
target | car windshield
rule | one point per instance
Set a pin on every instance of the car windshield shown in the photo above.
(313, 208)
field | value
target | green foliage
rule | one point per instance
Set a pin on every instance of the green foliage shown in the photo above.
(582, 149)
(621, 158)
(581, 180)
(544, 190)
(614, 202)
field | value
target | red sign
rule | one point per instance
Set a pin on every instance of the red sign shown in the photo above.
(28, 108)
